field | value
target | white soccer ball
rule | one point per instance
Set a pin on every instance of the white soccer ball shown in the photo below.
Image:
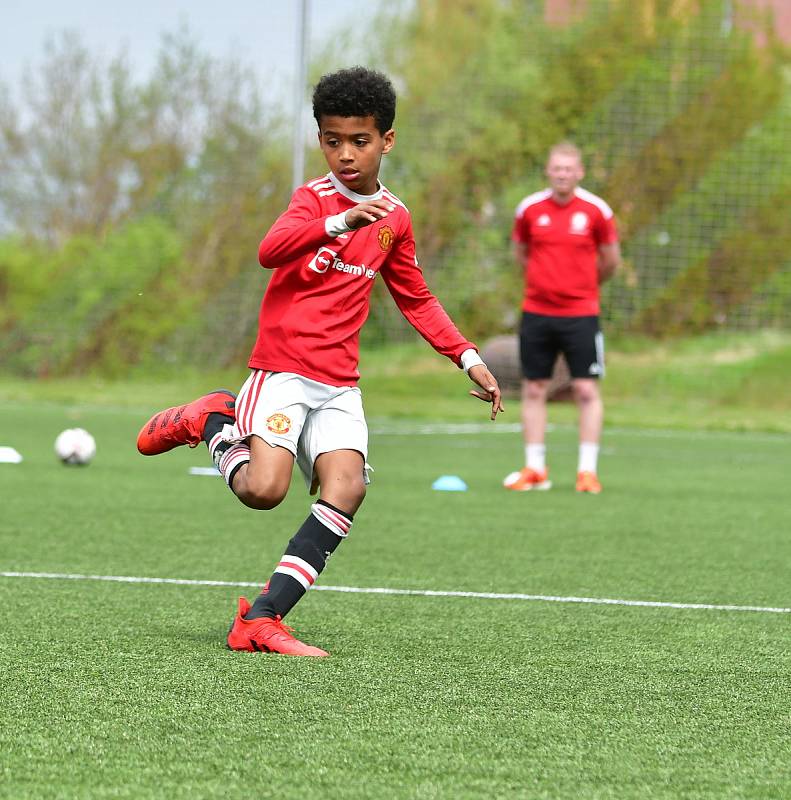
(75, 446)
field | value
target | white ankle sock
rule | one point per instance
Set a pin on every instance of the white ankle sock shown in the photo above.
(589, 455)
(535, 457)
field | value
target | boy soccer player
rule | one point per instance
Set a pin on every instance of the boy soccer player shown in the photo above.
(301, 400)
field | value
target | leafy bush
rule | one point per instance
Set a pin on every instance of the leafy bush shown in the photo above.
(99, 303)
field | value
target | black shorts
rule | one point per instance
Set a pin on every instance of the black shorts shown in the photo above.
(579, 339)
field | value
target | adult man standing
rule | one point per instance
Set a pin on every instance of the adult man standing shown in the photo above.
(566, 241)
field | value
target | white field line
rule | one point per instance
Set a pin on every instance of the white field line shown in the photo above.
(546, 598)
(443, 428)
(384, 428)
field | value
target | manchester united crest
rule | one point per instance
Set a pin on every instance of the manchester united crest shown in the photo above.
(278, 423)
(386, 237)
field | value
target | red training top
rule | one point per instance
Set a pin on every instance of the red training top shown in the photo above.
(562, 241)
(319, 295)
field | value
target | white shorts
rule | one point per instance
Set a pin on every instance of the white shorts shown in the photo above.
(306, 417)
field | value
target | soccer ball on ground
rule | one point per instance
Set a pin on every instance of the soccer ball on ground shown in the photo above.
(75, 446)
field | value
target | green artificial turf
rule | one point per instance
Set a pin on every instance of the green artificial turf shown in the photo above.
(722, 381)
(126, 690)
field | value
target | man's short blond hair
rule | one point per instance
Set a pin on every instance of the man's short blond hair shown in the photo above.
(565, 149)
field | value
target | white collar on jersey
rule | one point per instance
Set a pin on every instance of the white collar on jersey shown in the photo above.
(353, 196)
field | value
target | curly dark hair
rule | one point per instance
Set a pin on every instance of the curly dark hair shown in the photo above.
(356, 92)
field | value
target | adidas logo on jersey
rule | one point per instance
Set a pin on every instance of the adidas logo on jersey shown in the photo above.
(326, 258)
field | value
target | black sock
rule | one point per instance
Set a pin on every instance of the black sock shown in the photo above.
(215, 422)
(303, 561)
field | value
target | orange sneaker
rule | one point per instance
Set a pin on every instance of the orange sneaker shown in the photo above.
(588, 482)
(265, 635)
(528, 479)
(183, 424)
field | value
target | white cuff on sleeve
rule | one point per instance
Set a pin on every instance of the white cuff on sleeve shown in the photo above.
(470, 358)
(336, 225)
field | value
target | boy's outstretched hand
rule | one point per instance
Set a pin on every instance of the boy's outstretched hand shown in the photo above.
(367, 213)
(490, 391)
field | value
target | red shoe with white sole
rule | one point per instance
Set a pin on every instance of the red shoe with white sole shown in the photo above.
(527, 480)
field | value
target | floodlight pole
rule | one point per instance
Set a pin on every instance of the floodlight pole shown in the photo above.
(298, 152)
(726, 26)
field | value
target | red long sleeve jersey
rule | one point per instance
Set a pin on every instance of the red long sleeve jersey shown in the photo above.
(319, 295)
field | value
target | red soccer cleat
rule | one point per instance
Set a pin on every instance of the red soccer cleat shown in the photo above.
(588, 482)
(265, 635)
(527, 480)
(183, 424)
